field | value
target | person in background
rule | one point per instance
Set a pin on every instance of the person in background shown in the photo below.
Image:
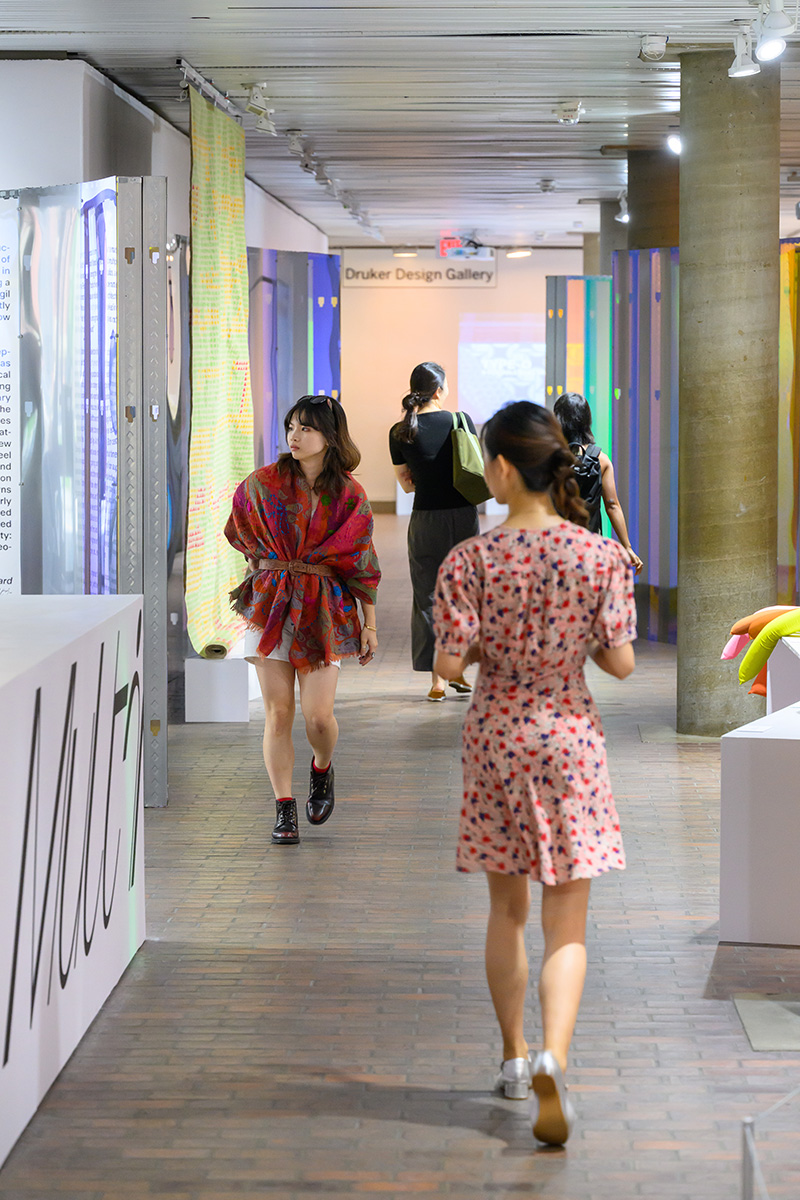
(422, 453)
(594, 470)
(530, 600)
(305, 527)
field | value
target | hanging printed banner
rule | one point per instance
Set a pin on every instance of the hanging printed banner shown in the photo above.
(221, 446)
(10, 583)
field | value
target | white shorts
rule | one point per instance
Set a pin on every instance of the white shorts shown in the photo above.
(281, 651)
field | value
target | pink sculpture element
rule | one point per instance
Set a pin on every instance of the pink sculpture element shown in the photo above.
(735, 646)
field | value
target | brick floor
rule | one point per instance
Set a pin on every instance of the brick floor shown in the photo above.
(314, 1021)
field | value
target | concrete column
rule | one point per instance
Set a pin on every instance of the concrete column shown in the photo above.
(613, 234)
(591, 254)
(729, 303)
(653, 199)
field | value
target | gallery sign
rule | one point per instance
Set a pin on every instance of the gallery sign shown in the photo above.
(380, 269)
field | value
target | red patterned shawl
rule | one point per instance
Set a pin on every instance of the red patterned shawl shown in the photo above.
(271, 518)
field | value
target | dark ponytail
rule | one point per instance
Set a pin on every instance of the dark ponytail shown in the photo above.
(575, 418)
(530, 438)
(426, 379)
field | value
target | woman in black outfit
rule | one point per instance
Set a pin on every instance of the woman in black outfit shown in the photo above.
(422, 453)
(575, 418)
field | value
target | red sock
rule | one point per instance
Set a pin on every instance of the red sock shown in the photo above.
(283, 799)
(319, 770)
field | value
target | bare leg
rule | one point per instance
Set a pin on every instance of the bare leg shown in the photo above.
(277, 690)
(317, 694)
(564, 908)
(506, 961)
(437, 682)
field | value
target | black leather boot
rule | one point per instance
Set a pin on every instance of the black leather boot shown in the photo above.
(319, 805)
(286, 832)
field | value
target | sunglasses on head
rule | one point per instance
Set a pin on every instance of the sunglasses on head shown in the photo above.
(321, 400)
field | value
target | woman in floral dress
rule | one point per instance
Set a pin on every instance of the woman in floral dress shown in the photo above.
(530, 601)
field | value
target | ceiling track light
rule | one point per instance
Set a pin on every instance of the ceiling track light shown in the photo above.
(547, 185)
(653, 47)
(569, 112)
(772, 27)
(743, 63)
(258, 101)
(265, 125)
(296, 145)
(623, 216)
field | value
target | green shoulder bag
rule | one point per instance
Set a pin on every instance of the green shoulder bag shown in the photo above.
(467, 462)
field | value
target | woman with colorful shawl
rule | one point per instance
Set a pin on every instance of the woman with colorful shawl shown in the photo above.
(305, 527)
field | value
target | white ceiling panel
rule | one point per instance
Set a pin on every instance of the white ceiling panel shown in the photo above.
(430, 118)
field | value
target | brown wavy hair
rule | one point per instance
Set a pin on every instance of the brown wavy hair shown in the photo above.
(342, 455)
(426, 379)
(530, 438)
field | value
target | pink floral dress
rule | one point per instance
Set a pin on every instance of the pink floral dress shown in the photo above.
(537, 797)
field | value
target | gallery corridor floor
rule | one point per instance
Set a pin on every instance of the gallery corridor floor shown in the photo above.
(314, 1021)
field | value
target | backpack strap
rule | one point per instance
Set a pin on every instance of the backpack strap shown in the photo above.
(582, 452)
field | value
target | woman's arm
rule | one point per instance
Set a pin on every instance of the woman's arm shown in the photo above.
(615, 513)
(452, 666)
(369, 633)
(618, 661)
(404, 478)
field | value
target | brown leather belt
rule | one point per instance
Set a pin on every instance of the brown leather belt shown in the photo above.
(296, 567)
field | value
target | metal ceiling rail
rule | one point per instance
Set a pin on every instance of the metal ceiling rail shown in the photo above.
(206, 88)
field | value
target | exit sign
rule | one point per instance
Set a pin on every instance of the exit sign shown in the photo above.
(454, 245)
(447, 245)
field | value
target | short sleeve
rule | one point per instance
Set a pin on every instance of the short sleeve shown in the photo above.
(615, 620)
(395, 449)
(456, 606)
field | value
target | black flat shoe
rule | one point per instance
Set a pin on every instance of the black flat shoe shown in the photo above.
(319, 805)
(286, 832)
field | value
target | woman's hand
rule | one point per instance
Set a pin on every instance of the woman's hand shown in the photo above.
(473, 655)
(369, 644)
(636, 562)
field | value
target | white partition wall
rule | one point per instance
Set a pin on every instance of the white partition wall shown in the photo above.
(71, 855)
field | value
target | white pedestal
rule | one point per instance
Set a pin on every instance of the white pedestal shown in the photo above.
(217, 689)
(71, 841)
(783, 674)
(760, 831)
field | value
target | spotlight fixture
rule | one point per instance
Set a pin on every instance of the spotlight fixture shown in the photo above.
(519, 252)
(265, 125)
(296, 146)
(404, 252)
(307, 164)
(623, 216)
(674, 143)
(258, 101)
(320, 176)
(743, 64)
(569, 112)
(775, 20)
(772, 28)
(654, 47)
(547, 185)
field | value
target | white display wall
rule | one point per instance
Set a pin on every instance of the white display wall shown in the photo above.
(71, 851)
